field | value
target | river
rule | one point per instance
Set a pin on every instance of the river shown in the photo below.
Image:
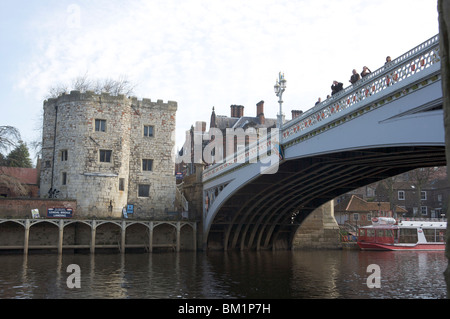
(334, 274)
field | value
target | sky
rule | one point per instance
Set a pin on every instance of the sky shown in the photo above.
(201, 54)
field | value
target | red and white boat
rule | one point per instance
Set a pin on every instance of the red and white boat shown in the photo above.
(387, 234)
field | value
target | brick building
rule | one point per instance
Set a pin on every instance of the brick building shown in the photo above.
(430, 201)
(28, 178)
(237, 122)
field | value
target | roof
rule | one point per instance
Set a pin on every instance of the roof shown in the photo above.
(224, 122)
(24, 175)
(357, 204)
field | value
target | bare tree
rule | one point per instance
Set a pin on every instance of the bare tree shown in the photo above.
(387, 186)
(12, 183)
(9, 136)
(83, 84)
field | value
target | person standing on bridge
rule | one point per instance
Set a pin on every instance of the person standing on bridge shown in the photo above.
(336, 87)
(355, 77)
(366, 71)
(388, 60)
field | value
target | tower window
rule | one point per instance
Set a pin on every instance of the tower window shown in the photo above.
(147, 165)
(105, 156)
(64, 155)
(148, 131)
(100, 125)
(144, 191)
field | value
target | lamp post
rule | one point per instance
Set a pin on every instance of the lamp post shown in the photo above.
(279, 87)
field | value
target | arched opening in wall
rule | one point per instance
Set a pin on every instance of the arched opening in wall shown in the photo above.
(137, 238)
(44, 237)
(187, 238)
(164, 237)
(77, 236)
(108, 237)
(11, 237)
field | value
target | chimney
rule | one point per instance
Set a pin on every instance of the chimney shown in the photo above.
(296, 113)
(200, 126)
(260, 112)
(240, 110)
(237, 110)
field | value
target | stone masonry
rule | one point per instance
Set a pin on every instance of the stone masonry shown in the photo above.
(109, 151)
(319, 230)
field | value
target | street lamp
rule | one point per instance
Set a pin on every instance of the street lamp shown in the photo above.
(279, 87)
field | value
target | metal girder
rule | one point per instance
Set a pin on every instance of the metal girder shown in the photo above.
(269, 202)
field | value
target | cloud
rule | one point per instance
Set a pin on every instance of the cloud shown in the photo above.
(217, 53)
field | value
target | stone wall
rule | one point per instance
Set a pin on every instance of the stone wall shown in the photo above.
(21, 208)
(72, 160)
(319, 230)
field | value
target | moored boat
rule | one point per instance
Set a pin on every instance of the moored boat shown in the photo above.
(387, 234)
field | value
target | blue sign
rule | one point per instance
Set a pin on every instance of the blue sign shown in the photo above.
(130, 209)
(60, 212)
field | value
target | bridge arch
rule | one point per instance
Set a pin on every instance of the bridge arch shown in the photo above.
(390, 123)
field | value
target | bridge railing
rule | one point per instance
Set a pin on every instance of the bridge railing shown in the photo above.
(412, 62)
(405, 66)
(260, 150)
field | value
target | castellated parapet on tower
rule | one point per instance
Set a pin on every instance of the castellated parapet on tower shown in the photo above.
(109, 151)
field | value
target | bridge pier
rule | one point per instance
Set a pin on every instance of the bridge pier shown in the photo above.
(61, 236)
(27, 236)
(319, 230)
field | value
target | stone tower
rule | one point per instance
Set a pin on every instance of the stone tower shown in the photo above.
(109, 151)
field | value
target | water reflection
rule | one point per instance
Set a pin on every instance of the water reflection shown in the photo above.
(258, 275)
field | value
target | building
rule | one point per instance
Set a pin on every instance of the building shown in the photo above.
(19, 182)
(433, 201)
(236, 122)
(359, 212)
(108, 152)
(421, 193)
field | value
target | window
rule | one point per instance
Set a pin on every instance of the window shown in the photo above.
(64, 178)
(401, 195)
(148, 131)
(100, 125)
(121, 184)
(64, 155)
(147, 165)
(439, 197)
(423, 195)
(144, 191)
(424, 210)
(105, 156)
